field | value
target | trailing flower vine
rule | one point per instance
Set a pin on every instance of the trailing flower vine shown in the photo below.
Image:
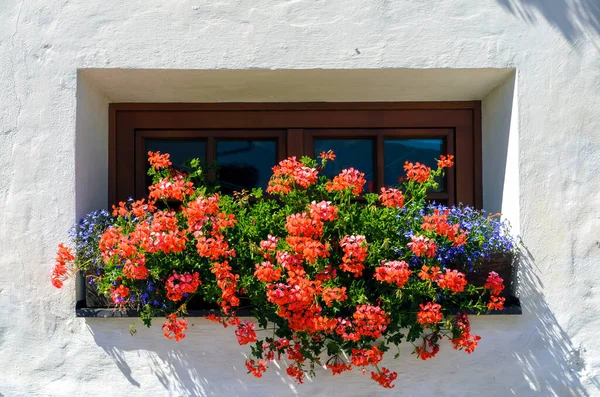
(336, 279)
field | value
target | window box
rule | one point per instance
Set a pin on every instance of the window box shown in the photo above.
(331, 273)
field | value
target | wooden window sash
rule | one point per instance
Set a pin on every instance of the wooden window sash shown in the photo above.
(294, 126)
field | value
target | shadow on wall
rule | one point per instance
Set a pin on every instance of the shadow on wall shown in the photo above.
(550, 364)
(574, 18)
(537, 358)
(208, 367)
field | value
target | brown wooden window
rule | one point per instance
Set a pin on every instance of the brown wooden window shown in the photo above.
(246, 140)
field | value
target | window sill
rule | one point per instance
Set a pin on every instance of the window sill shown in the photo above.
(512, 308)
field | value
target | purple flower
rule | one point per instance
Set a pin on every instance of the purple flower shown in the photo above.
(486, 236)
(85, 235)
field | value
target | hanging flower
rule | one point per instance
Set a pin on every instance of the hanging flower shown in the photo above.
(174, 328)
(429, 314)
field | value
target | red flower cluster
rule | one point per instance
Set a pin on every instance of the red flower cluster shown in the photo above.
(269, 246)
(329, 155)
(417, 172)
(120, 210)
(119, 294)
(180, 284)
(307, 248)
(462, 331)
(245, 332)
(256, 368)
(290, 172)
(139, 208)
(174, 328)
(384, 377)
(453, 280)
(391, 198)
(295, 301)
(430, 273)
(334, 294)
(204, 218)
(496, 303)
(267, 273)
(228, 283)
(135, 268)
(370, 321)
(429, 314)
(304, 231)
(422, 246)
(495, 284)
(446, 161)
(393, 272)
(350, 179)
(355, 253)
(364, 357)
(163, 235)
(159, 161)
(345, 329)
(199, 211)
(159, 233)
(429, 342)
(174, 188)
(292, 263)
(338, 368)
(438, 222)
(61, 270)
(295, 372)
(113, 243)
(303, 225)
(323, 211)
(466, 341)
(213, 247)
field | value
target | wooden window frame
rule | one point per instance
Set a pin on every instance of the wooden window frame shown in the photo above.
(295, 125)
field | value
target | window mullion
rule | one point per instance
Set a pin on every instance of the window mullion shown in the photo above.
(379, 162)
(211, 157)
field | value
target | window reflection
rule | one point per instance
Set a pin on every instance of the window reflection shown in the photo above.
(181, 151)
(397, 151)
(245, 164)
(357, 153)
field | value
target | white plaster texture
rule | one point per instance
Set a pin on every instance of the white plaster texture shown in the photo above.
(541, 161)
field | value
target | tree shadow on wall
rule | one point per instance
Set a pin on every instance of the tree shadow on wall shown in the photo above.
(541, 359)
(197, 366)
(574, 18)
(550, 364)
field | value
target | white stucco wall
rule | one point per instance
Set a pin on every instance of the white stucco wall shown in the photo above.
(541, 161)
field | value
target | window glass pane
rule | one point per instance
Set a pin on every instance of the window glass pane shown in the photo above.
(245, 164)
(181, 150)
(397, 151)
(357, 153)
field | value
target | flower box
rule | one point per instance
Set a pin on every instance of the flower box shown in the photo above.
(327, 272)
(503, 264)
